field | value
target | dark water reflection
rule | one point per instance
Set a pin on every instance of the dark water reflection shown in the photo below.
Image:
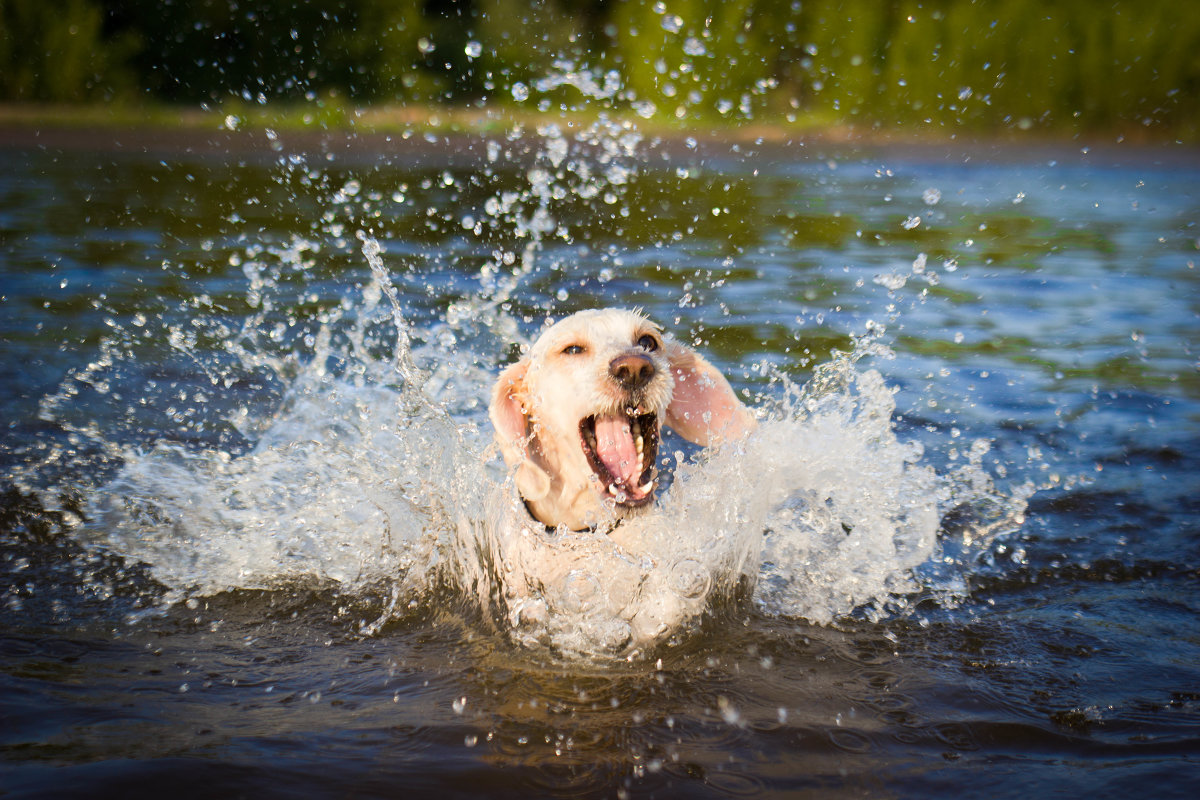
(1063, 321)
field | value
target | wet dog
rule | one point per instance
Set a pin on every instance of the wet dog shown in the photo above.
(580, 417)
(579, 422)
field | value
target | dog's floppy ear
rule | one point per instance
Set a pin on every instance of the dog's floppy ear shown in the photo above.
(703, 407)
(508, 413)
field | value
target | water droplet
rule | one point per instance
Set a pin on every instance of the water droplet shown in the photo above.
(890, 281)
(729, 711)
(645, 109)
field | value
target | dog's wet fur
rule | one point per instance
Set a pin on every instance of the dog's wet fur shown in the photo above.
(580, 417)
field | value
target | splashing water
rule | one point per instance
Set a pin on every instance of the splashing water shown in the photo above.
(368, 464)
(377, 489)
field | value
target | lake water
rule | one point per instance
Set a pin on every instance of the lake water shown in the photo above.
(244, 383)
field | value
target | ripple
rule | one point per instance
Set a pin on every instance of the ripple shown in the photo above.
(712, 736)
(11, 646)
(955, 735)
(738, 784)
(850, 741)
(566, 774)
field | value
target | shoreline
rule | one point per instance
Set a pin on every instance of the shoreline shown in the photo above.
(406, 132)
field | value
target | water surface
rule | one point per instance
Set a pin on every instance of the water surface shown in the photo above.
(244, 392)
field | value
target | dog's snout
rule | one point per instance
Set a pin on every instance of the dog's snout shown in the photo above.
(632, 371)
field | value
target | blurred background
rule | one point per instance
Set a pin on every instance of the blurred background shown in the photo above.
(1129, 68)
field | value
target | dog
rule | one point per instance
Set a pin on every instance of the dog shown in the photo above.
(579, 423)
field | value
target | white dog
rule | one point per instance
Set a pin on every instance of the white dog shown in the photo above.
(579, 421)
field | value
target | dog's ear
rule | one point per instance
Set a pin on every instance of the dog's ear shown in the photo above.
(507, 409)
(508, 413)
(703, 407)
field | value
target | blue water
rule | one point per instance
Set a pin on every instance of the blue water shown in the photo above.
(199, 363)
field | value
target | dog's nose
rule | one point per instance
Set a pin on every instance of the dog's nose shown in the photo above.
(632, 371)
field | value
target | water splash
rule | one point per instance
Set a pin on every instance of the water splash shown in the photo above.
(381, 491)
(366, 463)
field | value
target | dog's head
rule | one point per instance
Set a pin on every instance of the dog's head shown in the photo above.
(580, 417)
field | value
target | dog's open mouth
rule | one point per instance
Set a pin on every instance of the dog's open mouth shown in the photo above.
(621, 449)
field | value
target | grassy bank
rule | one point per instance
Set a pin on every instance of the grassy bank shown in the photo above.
(255, 121)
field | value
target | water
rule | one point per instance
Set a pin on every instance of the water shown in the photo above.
(249, 475)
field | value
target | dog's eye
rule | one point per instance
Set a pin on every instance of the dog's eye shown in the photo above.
(572, 349)
(648, 343)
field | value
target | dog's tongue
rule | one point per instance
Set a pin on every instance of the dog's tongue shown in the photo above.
(614, 445)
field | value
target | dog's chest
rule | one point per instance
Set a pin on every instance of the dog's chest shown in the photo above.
(616, 579)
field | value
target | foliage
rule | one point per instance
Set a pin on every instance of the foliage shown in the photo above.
(1071, 65)
(59, 52)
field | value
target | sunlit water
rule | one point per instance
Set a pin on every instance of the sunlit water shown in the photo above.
(250, 476)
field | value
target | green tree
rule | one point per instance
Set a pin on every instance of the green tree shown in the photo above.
(58, 52)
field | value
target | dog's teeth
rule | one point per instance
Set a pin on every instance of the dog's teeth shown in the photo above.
(640, 442)
(646, 487)
(612, 489)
